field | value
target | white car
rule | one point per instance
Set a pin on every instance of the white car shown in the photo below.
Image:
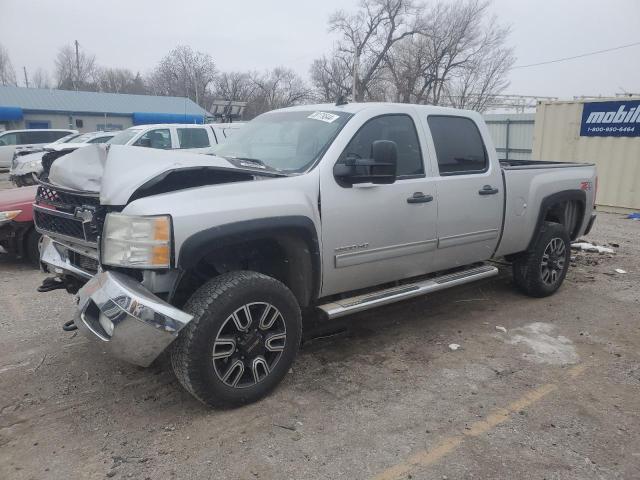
(17, 139)
(191, 137)
(26, 167)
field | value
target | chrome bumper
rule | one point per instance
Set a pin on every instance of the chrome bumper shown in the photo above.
(55, 258)
(129, 321)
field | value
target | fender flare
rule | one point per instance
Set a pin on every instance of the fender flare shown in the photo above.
(547, 202)
(198, 245)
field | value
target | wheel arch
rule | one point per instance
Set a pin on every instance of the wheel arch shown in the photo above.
(286, 248)
(553, 208)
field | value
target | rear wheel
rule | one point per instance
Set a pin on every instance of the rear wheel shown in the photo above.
(541, 271)
(242, 340)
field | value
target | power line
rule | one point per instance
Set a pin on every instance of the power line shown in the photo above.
(577, 56)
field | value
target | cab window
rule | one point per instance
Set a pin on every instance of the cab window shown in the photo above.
(397, 128)
(193, 138)
(158, 138)
(8, 139)
(458, 144)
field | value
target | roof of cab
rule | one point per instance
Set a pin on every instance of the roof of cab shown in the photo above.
(359, 107)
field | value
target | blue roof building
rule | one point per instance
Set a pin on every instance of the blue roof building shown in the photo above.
(89, 111)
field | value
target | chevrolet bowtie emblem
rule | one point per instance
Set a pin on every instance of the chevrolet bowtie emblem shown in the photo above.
(83, 214)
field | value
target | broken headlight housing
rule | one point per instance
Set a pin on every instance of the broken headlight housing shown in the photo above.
(136, 241)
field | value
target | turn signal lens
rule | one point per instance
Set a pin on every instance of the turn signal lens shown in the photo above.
(9, 215)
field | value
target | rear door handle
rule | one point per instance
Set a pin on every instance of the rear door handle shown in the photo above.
(488, 190)
(419, 197)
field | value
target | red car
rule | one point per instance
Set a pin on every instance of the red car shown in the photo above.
(17, 232)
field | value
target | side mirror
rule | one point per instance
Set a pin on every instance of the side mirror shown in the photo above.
(379, 169)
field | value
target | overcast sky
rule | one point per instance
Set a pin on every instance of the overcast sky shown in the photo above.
(258, 34)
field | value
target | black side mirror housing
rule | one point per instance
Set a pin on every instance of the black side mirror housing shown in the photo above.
(379, 169)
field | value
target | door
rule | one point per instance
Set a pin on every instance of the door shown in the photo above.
(470, 192)
(372, 234)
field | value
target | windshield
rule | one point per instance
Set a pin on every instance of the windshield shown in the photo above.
(287, 141)
(66, 139)
(123, 137)
(83, 138)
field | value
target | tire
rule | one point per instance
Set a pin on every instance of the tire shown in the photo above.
(265, 341)
(32, 247)
(541, 271)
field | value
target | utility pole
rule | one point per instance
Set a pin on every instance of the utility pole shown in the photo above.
(77, 65)
(356, 67)
(26, 78)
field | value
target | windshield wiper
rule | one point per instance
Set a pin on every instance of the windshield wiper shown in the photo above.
(252, 160)
(256, 163)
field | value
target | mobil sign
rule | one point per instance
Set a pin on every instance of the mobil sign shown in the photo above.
(611, 119)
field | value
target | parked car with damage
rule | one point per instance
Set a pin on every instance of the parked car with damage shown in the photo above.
(323, 209)
(18, 235)
(12, 140)
(25, 169)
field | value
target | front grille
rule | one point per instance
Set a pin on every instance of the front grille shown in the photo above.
(64, 226)
(68, 214)
(63, 200)
(83, 262)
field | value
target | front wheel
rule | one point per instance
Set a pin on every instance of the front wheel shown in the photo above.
(540, 272)
(242, 340)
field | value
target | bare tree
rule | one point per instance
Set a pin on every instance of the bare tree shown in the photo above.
(234, 86)
(120, 80)
(458, 58)
(75, 73)
(185, 73)
(278, 88)
(331, 78)
(7, 73)
(367, 36)
(40, 79)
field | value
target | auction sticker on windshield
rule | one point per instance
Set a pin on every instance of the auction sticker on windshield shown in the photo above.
(324, 116)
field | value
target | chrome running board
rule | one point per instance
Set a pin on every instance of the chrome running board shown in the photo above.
(346, 306)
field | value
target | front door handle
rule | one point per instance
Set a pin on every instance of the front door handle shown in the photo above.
(419, 197)
(488, 190)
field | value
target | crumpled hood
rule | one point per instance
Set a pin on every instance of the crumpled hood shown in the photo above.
(117, 171)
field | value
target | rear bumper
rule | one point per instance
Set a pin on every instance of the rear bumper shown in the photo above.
(129, 321)
(592, 220)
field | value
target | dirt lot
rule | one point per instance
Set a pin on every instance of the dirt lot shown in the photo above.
(556, 396)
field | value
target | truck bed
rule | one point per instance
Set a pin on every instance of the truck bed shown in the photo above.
(533, 164)
(527, 183)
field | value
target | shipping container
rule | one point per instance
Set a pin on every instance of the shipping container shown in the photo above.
(604, 131)
(512, 134)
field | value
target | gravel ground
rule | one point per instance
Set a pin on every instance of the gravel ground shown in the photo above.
(555, 396)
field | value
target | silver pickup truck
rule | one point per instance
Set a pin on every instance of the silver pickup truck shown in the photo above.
(329, 209)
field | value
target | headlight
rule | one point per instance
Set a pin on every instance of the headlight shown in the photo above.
(33, 164)
(8, 215)
(137, 242)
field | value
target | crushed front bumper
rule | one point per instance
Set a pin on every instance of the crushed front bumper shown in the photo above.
(133, 324)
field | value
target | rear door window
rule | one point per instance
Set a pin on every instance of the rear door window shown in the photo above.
(26, 138)
(193, 138)
(157, 138)
(459, 146)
